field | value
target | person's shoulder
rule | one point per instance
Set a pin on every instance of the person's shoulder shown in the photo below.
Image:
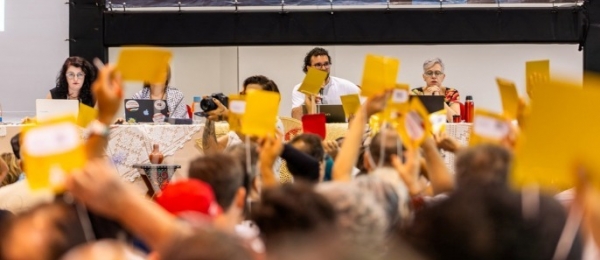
(417, 91)
(141, 93)
(297, 86)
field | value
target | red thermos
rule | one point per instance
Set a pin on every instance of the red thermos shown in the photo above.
(469, 109)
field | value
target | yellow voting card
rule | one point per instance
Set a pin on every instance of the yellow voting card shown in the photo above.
(350, 103)
(313, 81)
(438, 121)
(537, 73)
(559, 136)
(237, 107)
(509, 96)
(144, 64)
(260, 116)
(379, 74)
(51, 150)
(416, 125)
(86, 115)
(488, 127)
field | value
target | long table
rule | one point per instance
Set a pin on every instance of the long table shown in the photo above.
(131, 144)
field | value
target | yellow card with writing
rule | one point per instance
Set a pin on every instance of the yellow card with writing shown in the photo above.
(350, 103)
(438, 121)
(144, 64)
(313, 81)
(416, 125)
(379, 74)
(536, 73)
(400, 97)
(237, 107)
(509, 96)
(51, 150)
(86, 115)
(261, 113)
(557, 137)
(488, 127)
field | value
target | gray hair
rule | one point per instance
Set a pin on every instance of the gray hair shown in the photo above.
(431, 62)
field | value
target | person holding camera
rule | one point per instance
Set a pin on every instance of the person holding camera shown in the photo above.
(174, 97)
(215, 107)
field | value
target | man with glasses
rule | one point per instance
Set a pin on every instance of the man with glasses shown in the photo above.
(433, 74)
(332, 89)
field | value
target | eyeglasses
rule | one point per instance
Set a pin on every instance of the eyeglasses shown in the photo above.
(322, 65)
(430, 73)
(72, 75)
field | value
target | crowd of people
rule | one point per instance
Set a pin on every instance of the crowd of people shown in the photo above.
(363, 196)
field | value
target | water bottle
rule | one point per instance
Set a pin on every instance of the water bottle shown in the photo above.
(0, 113)
(469, 109)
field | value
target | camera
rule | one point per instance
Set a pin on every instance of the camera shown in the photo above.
(207, 104)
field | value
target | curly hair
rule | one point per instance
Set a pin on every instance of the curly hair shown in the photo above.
(62, 86)
(312, 53)
(13, 168)
(266, 83)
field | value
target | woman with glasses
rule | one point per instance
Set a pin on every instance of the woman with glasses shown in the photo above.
(433, 74)
(75, 81)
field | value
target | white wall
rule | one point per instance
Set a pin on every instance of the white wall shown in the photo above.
(32, 50)
(471, 69)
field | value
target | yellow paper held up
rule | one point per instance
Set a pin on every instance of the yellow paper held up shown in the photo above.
(261, 113)
(86, 115)
(488, 127)
(51, 151)
(558, 137)
(537, 73)
(313, 81)
(350, 103)
(509, 96)
(237, 107)
(416, 125)
(379, 74)
(144, 64)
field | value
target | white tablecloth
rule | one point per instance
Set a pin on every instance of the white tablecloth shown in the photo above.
(460, 132)
(131, 144)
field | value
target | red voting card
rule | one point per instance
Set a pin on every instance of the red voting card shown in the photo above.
(315, 124)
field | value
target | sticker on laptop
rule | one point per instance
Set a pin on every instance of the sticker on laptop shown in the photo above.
(132, 105)
(158, 118)
(160, 104)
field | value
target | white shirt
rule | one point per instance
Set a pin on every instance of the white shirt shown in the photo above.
(331, 92)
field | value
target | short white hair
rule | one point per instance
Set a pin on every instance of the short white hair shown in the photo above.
(431, 62)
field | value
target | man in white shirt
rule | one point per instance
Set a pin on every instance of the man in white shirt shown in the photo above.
(332, 89)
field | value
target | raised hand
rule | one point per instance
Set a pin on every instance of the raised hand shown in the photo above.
(221, 113)
(108, 90)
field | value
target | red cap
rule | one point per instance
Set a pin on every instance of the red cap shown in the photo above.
(189, 195)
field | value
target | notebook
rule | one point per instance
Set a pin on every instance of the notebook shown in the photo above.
(49, 108)
(333, 113)
(145, 111)
(431, 103)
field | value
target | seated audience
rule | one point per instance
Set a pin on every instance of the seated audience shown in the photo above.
(14, 171)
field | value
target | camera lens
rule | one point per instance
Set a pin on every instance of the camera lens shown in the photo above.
(207, 104)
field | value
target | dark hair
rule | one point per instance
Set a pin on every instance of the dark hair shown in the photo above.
(314, 145)
(62, 85)
(490, 223)
(482, 164)
(390, 140)
(207, 244)
(239, 152)
(15, 143)
(222, 172)
(65, 233)
(264, 82)
(313, 53)
(292, 210)
(147, 85)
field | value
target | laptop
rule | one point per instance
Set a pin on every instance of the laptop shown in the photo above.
(333, 113)
(431, 103)
(50, 108)
(145, 111)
